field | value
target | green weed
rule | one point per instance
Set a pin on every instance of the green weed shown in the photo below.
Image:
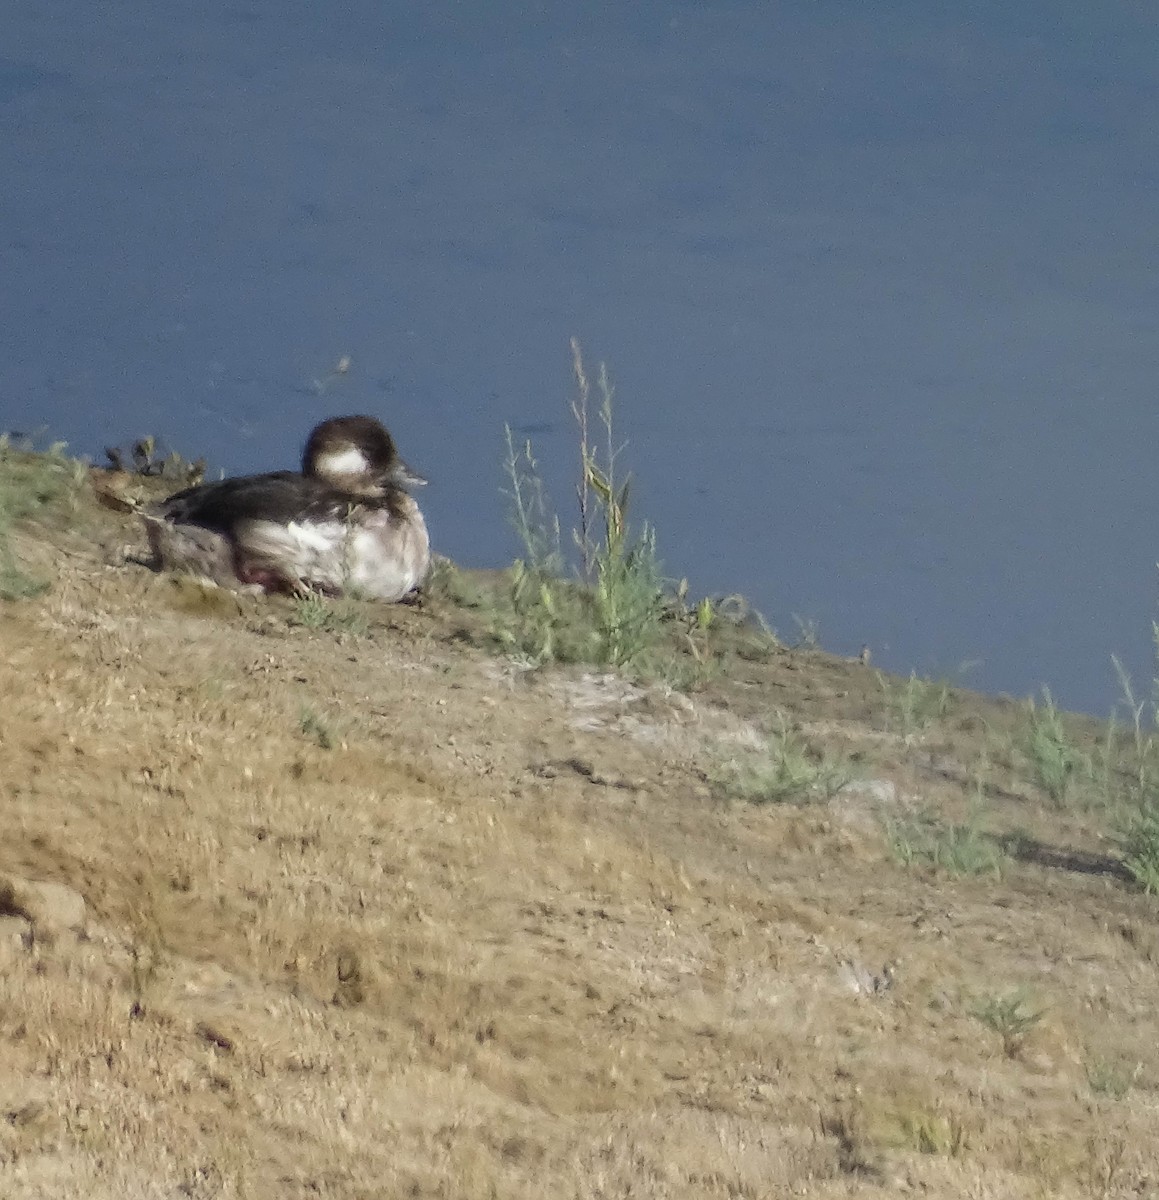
(1056, 761)
(705, 659)
(787, 768)
(913, 706)
(1143, 716)
(1138, 837)
(15, 582)
(30, 485)
(1136, 822)
(958, 849)
(315, 727)
(1009, 1015)
(613, 615)
(543, 618)
(932, 1133)
(808, 633)
(1111, 1077)
(531, 515)
(445, 581)
(1106, 766)
(314, 611)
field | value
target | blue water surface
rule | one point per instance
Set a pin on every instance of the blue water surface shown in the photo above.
(878, 283)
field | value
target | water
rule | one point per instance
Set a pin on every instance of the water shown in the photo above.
(877, 283)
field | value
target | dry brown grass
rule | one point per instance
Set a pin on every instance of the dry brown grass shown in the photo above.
(504, 937)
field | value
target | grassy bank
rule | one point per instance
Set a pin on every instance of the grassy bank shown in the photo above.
(560, 884)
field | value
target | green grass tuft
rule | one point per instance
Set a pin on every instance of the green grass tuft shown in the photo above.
(1057, 763)
(1111, 1077)
(30, 486)
(913, 706)
(317, 728)
(313, 611)
(613, 614)
(1138, 837)
(786, 769)
(1010, 1015)
(957, 849)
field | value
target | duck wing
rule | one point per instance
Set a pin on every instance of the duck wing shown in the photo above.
(279, 497)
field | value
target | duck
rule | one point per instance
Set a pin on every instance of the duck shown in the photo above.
(345, 524)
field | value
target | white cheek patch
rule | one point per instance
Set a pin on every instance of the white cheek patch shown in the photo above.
(347, 461)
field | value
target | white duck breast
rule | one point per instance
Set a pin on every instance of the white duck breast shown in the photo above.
(387, 558)
(374, 554)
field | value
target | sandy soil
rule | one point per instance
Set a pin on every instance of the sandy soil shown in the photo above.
(296, 913)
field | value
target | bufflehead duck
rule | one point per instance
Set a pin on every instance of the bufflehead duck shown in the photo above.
(346, 522)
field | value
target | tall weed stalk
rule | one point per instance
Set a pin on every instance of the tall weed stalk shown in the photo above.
(611, 615)
(1136, 823)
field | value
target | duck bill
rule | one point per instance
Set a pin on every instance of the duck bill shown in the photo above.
(401, 475)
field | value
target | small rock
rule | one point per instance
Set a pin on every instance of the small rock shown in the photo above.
(881, 790)
(213, 1034)
(51, 908)
(26, 1114)
(15, 934)
(351, 990)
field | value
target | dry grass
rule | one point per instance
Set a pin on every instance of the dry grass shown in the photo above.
(497, 935)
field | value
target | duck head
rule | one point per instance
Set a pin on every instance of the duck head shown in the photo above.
(358, 455)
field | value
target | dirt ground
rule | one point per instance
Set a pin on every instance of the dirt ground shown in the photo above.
(290, 912)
